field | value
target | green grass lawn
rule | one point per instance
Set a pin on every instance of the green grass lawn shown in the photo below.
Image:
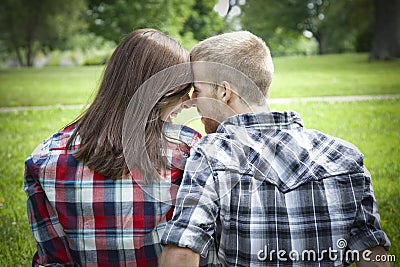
(48, 86)
(20, 133)
(349, 74)
(363, 123)
(373, 126)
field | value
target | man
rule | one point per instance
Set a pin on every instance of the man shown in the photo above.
(266, 190)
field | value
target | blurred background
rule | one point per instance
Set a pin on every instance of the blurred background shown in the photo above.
(84, 32)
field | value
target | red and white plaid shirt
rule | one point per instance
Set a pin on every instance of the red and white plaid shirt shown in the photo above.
(81, 218)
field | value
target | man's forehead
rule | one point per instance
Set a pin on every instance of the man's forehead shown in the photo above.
(199, 84)
(201, 73)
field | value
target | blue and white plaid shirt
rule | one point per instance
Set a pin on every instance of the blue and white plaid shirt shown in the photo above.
(263, 184)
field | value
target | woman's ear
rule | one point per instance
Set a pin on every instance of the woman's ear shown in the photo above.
(226, 92)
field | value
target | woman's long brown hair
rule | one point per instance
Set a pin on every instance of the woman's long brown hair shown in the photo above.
(140, 55)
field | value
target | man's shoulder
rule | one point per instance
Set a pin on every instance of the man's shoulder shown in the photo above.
(182, 132)
(214, 139)
(221, 151)
(325, 155)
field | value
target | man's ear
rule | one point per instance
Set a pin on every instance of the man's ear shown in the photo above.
(225, 92)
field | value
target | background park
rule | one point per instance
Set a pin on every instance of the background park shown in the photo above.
(337, 63)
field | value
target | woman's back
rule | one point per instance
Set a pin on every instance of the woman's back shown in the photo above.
(81, 217)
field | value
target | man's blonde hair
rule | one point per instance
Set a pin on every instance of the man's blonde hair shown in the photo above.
(244, 52)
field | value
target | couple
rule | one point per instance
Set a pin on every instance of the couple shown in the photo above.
(258, 183)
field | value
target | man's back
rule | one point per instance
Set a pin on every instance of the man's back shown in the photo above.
(281, 194)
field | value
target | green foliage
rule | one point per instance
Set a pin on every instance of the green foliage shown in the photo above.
(96, 57)
(89, 41)
(185, 21)
(114, 20)
(79, 25)
(337, 26)
(286, 43)
(66, 58)
(364, 28)
(203, 21)
(187, 40)
(38, 23)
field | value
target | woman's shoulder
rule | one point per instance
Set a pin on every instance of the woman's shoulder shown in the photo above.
(56, 141)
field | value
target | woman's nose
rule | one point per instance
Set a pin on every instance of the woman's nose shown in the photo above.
(193, 96)
(187, 102)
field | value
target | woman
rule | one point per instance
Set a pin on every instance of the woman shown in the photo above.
(85, 206)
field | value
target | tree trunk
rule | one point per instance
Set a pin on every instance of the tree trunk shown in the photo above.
(318, 37)
(386, 44)
(19, 56)
(29, 55)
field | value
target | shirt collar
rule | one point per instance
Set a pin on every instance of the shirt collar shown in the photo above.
(264, 120)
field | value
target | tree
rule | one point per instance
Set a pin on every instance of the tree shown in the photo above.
(115, 19)
(232, 16)
(363, 21)
(203, 21)
(321, 19)
(37, 23)
(386, 43)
